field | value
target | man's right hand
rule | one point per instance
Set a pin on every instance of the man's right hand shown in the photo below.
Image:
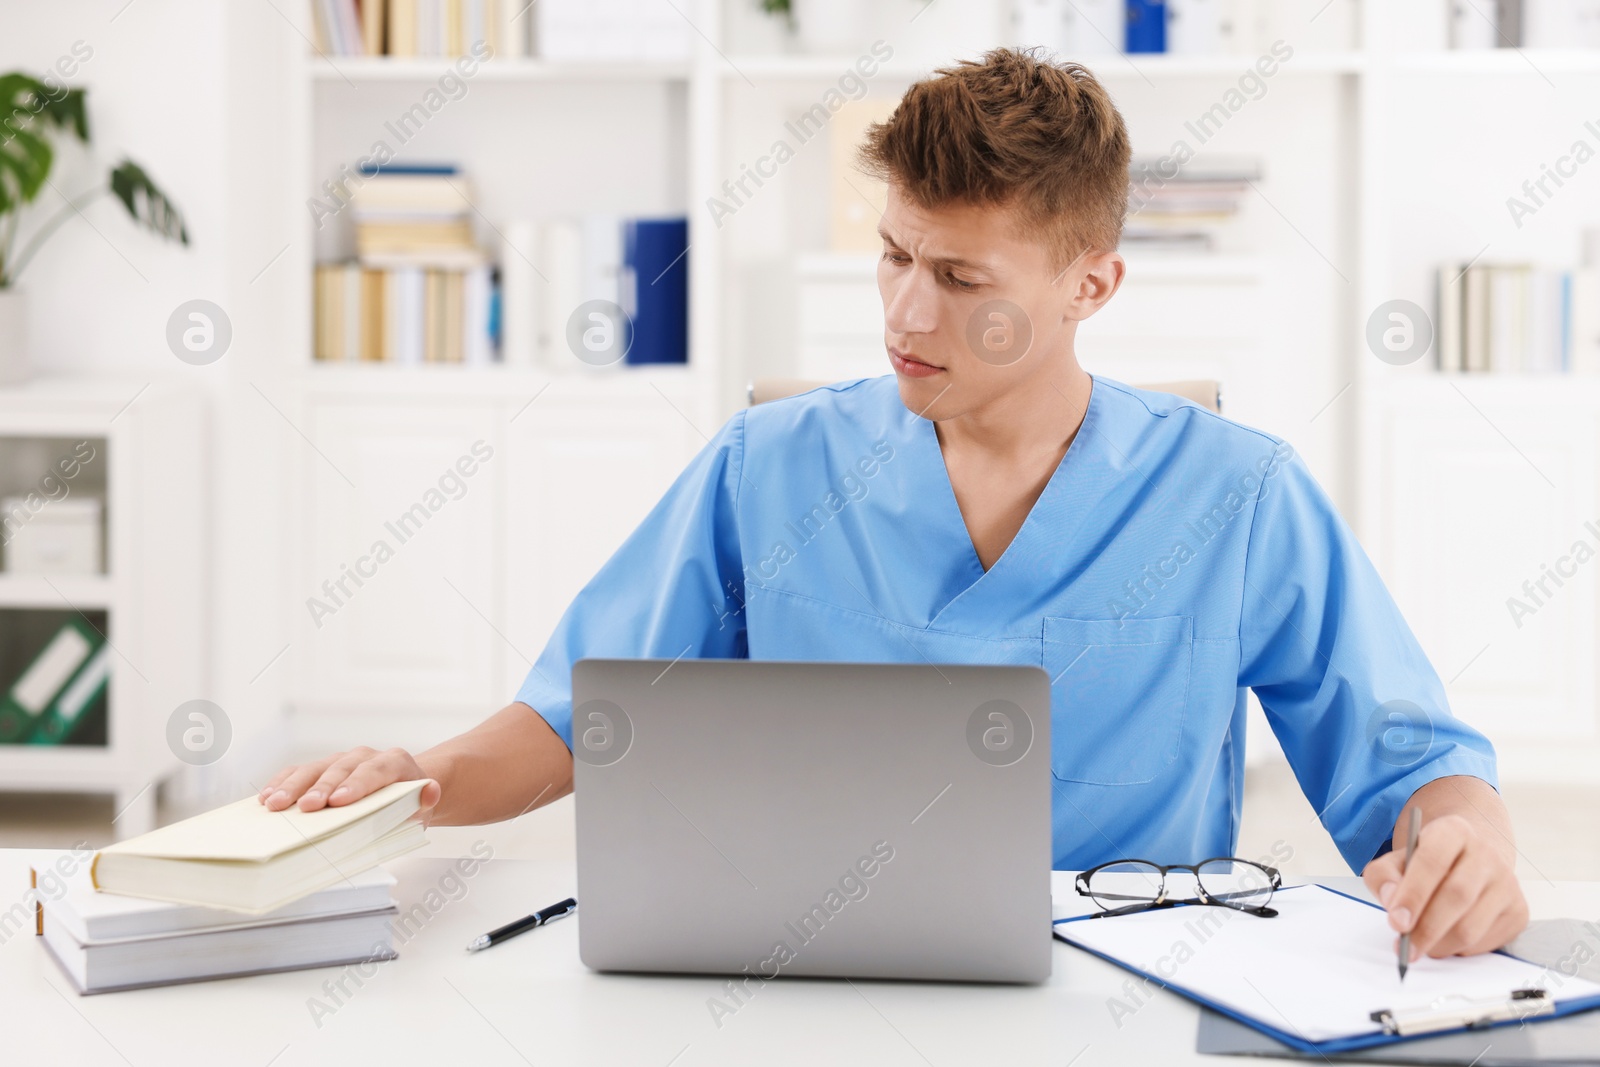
(345, 777)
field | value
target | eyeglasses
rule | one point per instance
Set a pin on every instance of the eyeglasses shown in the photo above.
(1125, 886)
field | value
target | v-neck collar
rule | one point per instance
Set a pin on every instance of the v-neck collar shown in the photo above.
(1044, 506)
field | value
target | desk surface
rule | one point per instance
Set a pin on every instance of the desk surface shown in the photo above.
(531, 1001)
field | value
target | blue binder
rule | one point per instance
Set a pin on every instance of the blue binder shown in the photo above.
(1468, 1016)
(1147, 26)
(655, 289)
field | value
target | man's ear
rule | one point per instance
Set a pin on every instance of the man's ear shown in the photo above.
(1094, 279)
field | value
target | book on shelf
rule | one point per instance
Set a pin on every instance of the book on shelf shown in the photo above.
(420, 28)
(1079, 29)
(43, 706)
(1517, 318)
(243, 857)
(69, 710)
(551, 270)
(420, 290)
(655, 289)
(1560, 24)
(414, 216)
(1146, 27)
(611, 30)
(1069, 28)
(404, 314)
(1185, 207)
(1485, 24)
(106, 942)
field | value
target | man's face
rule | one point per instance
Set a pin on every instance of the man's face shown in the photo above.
(974, 308)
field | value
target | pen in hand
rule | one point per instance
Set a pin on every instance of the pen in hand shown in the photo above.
(1413, 831)
(531, 922)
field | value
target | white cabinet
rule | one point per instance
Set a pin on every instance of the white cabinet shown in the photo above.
(581, 477)
(401, 542)
(1486, 525)
(447, 530)
(140, 450)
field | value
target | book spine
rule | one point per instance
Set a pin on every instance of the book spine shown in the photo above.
(563, 267)
(58, 725)
(1041, 22)
(1474, 24)
(1476, 320)
(1147, 27)
(353, 315)
(42, 681)
(519, 295)
(1509, 24)
(1585, 289)
(372, 19)
(1197, 27)
(1451, 282)
(657, 263)
(1095, 27)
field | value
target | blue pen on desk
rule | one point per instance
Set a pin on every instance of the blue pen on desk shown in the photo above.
(534, 921)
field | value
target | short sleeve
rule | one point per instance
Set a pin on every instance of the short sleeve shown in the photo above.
(674, 589)
(1359, 711)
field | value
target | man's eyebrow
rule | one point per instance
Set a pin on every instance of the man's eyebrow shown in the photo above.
(942, 261)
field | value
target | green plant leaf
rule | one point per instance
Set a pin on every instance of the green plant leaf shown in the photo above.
(146, 203)
(29, 108)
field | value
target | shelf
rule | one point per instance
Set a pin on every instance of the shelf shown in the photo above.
(61, 768)
(1547, 392)
(493, 382)
(383, 69)
(56, 592)
(1534, 61)
(1109, 67)
(1156, 67)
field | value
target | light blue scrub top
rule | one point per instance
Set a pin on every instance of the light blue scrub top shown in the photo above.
(1174, 559)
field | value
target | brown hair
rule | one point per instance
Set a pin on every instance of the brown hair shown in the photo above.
(1012, 129)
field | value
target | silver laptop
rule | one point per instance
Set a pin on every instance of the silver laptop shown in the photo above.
(824, 819)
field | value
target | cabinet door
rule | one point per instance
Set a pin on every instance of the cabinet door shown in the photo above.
(1478, 507)
(400, 602)
(582, 473)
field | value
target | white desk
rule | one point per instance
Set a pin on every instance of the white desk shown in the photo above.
(531, 1001)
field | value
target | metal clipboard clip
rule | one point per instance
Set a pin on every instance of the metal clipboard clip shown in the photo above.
(1457, 1012)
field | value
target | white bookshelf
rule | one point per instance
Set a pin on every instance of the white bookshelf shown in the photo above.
(1368, 152)
(149, 602)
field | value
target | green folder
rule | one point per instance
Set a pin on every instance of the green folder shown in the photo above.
(58, 724)
(37, 687)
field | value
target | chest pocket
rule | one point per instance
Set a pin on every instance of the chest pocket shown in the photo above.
(1119, 692)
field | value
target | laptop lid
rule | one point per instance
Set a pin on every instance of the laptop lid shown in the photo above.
(828, 819)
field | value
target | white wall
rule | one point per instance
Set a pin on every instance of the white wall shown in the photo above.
(193, 92)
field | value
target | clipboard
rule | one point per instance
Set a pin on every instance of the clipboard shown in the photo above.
(1329, 963)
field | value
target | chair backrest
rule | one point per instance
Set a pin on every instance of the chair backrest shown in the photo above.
(1203, 391)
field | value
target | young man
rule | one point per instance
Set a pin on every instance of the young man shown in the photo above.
(993, 503)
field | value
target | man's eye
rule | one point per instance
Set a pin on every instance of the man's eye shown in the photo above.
(896, 257)
(959, 284)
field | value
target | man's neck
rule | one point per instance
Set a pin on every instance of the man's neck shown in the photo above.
(1045, 416)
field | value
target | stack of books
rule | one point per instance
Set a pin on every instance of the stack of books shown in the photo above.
(420, 27)
(1185, 208)
(237, 890)
(1516, 318)
(106, 943)
(419, 290)
(60, 691)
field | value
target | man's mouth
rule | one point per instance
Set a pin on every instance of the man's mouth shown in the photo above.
(911, 366)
